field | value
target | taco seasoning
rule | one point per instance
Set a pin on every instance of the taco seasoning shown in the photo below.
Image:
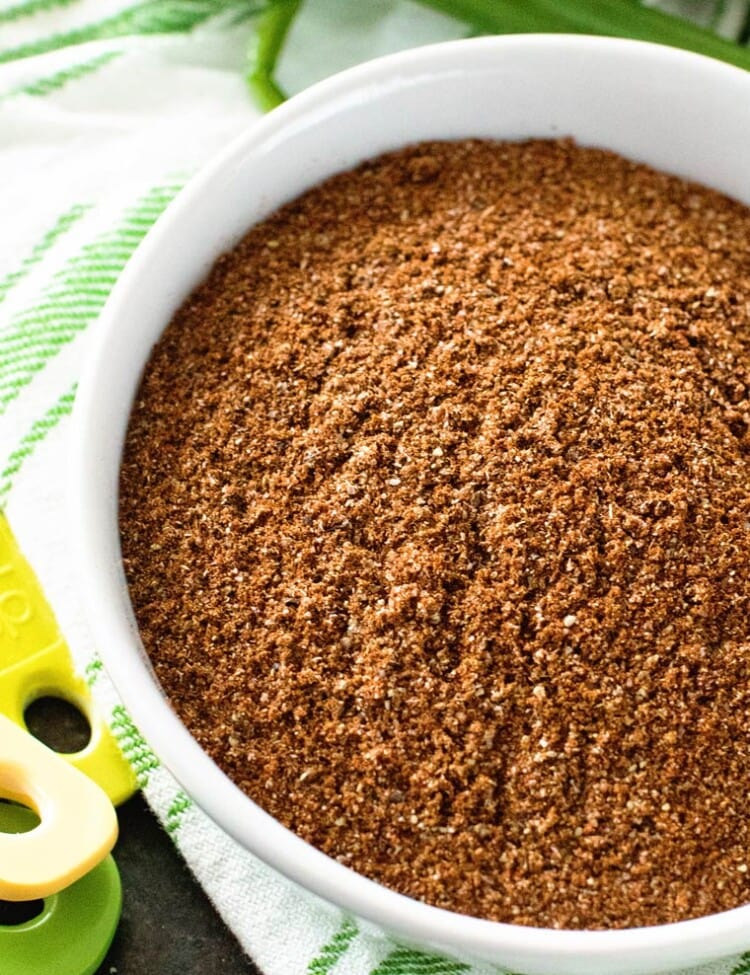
(435, 511)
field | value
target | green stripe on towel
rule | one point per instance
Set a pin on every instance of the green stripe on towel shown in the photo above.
(744, 966)
(38, 251)
(151, 17)
(31, 440)
(75, 297)
(31, 7)
(133, 745)
(334, 950)
(176, 812)
(60, 79)
(407, 961)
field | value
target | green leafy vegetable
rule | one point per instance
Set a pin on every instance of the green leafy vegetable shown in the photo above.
(612, 18)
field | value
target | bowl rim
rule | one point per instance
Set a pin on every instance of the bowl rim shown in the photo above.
(101, 582)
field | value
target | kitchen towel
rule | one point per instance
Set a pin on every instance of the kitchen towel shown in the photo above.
(107, 107)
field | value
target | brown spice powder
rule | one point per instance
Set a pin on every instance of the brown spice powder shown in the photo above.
(435, 513)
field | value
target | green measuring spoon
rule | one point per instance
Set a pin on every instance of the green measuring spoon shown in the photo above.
(72, 933)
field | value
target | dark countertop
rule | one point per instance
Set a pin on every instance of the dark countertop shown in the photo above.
(168, 925)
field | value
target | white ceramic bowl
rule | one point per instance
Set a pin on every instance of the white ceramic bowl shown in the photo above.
(678, 112)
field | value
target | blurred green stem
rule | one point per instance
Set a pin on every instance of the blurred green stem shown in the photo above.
(265, 47)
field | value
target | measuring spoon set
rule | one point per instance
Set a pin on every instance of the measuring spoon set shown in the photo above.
(57, 818)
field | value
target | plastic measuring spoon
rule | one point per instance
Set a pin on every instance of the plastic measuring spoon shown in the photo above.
(54, 845)
(75, 927)
(76, 825)
(35, 662)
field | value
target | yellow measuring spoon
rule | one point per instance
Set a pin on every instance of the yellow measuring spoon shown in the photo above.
(35, 662)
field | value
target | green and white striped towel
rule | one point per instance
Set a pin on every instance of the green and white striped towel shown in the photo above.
(106, 108)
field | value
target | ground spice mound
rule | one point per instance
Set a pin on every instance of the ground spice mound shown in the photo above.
(436, 518)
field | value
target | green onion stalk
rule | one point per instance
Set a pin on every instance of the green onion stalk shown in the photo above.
(611, 18)
(266, 45)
